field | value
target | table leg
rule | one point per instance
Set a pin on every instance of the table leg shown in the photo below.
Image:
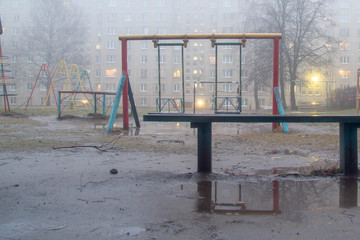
(204, 146)
(348, 148)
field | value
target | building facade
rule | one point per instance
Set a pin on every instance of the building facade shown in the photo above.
(107, 19)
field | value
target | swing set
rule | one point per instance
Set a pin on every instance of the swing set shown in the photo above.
(233, 102)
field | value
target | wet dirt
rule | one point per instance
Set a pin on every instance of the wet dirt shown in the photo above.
(260, 188)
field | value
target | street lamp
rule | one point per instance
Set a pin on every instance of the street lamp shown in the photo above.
(315, 79)
(195, 86)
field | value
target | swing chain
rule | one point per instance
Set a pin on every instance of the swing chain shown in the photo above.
(213, 40)
(243, 41)
(186, 42)
(155, 41)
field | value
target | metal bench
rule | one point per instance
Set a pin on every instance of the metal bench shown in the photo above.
(348, 132)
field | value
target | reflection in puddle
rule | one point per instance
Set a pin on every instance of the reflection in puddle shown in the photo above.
(286, 198)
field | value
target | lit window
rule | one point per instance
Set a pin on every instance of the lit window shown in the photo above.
(344, 74)
(177, 73)
(110, 72)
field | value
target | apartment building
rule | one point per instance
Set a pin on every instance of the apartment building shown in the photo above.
(110, 18)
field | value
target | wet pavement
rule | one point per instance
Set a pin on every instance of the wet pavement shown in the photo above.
(70, 193)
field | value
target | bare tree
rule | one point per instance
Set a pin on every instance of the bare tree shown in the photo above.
(259, 58)
(304, 43)
(56, 31)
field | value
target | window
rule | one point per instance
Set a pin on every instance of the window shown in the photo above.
(43, 87)
(227, 59)
(261, 88)
(262, 102)
(245, 88)
(12, 100)
(143, 59)
(97, 73)
(111, 59)
(143, 102)
(128, 3)
(176, 87)
(344, 32)
(42, 100)
(110, 72)
(228, 17)
(344, 74)
(344, 4)
(161, 3)
(13, 73)
(227, 47)
(344, 46)
(344, 18)
(128, 18)
(212, 73)
(244, 74)
(112, 17)
(143, 87)
(244, 102)
(143, 73)
(345, 60)
(16, 18)
(162, 59)
(227, 73)
(111, 45)
(161, 17)
(161, 30)
(144, 45)
(211, 88)
(13, 87)
(98, 59)
(228, 3)
(144, 3)
(13, 59)
(112, 31)
(213, 4)
(112, 3)
(29, 86)
(177, 74)
(227, 87)
(176, 60)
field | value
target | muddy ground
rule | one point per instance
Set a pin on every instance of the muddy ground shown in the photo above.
(55, 182)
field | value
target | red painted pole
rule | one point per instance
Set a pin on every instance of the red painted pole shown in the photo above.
(125, 90)
(275, 78)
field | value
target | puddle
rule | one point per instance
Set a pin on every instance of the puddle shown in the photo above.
(289, 199)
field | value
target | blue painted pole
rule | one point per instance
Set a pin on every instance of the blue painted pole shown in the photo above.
(280, 108)
(116, 103)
